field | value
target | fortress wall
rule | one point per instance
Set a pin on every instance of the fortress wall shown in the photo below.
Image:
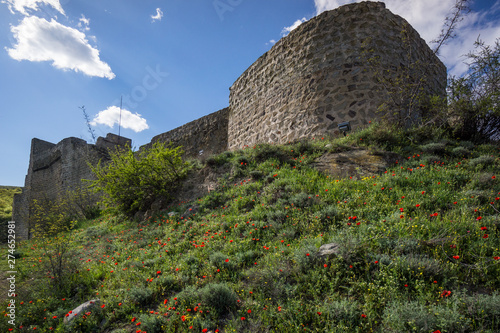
(55, 169)
(208, 133)
(315, 78)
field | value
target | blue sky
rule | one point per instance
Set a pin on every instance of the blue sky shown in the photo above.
(172, 61)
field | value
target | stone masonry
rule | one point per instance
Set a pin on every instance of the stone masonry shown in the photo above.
(318, 76)
(202, 137)
(56, 168)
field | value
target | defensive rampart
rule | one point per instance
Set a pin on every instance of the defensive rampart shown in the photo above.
(319, 76)
(201, 137)
(55, 169)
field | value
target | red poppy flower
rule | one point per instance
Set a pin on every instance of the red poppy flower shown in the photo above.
(456, 257)
(363, 315)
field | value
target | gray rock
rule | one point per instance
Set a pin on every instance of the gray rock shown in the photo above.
(81, 309)
(329, 249)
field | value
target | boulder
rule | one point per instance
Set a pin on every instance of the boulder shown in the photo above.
(329, 249)
(80, 309)
(356, 163)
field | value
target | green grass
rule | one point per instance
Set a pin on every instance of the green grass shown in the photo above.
(418, 249)
(6, 198)
(6, 201)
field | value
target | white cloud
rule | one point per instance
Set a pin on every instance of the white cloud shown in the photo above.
(111, 116)
(158, 16)
(286, 30)
(67, 48)
(428, 16)
(84, 23)
(21, 5)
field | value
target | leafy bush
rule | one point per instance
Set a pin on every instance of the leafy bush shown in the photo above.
(482, 162)
(434, 148)
(132, 181)
(302, 200)
(140, 295)
(220, 297)
(416, 317)
(460, 151)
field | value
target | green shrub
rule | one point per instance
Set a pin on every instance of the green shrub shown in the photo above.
(460, 151)
(267, 151)
(346, 312)
(434, 148)
(140, 295)
(416, 317)
(132, 182)
(213, 200)
(220, 297)
(302, 200)
(151, 323)
(482, 162)
(217, 160)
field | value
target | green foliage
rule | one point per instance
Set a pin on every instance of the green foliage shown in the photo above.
(220, 297)
(6, 200)
(140, 295)
(474, 99)
(416, 249)
(133, 181)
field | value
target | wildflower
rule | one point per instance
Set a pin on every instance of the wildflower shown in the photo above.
(484, 228)
(243, 318)
(479, 217)
(496, 258)
(445, 293)
(485, 236)
(363, 315)
(249, 311)
(456, 257)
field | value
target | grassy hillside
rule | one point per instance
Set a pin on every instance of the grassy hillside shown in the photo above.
(417, 249)
(6, 199)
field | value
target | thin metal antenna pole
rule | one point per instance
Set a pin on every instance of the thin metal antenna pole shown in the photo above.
(120, 122)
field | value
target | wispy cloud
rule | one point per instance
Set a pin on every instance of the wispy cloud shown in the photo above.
(84, 23)
(428, 16)
(21, 6)
(67, 48)
(158, 16)
(111, 116)
(286, 30)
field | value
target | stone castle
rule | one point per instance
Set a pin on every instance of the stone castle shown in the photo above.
(304, 86)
